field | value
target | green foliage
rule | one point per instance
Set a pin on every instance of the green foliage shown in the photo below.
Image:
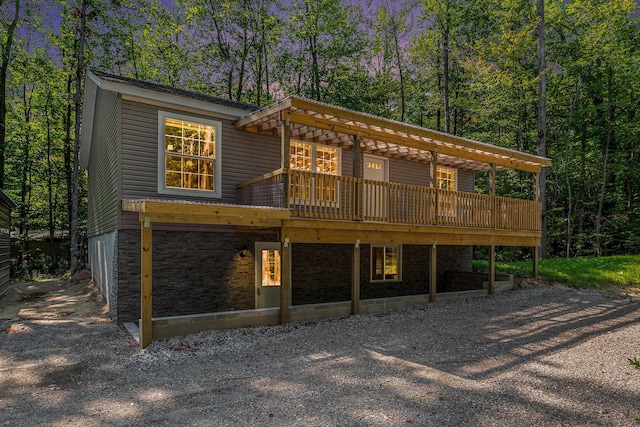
(622, 271)
(634, 362)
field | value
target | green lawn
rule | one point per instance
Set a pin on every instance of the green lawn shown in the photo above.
(622, 271)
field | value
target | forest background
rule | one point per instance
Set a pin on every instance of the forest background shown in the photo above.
(468, 67)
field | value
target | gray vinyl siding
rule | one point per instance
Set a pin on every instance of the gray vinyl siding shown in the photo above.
(466, 181)
(102, 211)
(245, 155)
(409, 173)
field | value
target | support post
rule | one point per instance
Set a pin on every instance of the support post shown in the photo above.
(285, 162)
(492, 269)
(492, 192)
(357, 156)
(285, 282)
(536, 250)
(357, 173)
(146, 327)
(355, 280)
(434, 184)
(432, 273)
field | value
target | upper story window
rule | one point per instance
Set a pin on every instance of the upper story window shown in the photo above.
(446, 179)
(304, 155)
(189, 155)
(316, 158)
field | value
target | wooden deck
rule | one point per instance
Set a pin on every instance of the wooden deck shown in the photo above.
(328, 197)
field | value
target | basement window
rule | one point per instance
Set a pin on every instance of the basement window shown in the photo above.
(386, 263)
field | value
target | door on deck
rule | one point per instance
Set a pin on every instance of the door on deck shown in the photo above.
(376, 197)
(268, 267)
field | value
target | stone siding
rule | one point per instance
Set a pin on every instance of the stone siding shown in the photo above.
(320, 273)
(193, 272)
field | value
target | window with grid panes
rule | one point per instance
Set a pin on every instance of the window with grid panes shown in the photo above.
(303, 155)
(189, 155)
(446, 180)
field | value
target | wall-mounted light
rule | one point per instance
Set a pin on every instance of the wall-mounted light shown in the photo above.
(243, 251)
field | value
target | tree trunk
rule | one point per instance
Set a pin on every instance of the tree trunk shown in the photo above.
(6, 56)
(603, 187)
(445, 76)
(75, 196)
(542, 125)
(24, 208)
(50, 180)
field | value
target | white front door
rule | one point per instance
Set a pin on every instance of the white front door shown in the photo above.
(268, 267)
(376, 196)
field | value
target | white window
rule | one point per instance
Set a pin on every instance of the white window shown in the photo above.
(386, 263)
(189, 155)
(322, 159)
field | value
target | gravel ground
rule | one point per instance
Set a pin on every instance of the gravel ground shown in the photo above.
(544, 356)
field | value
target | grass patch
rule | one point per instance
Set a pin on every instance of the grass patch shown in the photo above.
(622, 271)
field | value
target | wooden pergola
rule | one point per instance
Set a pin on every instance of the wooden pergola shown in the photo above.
(312, 121)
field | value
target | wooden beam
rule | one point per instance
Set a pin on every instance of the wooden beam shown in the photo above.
(169, 207)
(355, 280)
(433, 261)
(215, 220)
(146, 326)
(536, 258)
(285, 282)
(260, 115)
(492, 269)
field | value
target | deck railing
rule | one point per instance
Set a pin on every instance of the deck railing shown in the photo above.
(321, 196)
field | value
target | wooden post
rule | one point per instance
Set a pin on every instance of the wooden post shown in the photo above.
(492, 192)
(357, 156)
(492, 269)
(285, 282)
(432, 273)
(357, 173)
(536, 250)
(146, 327)
(355, 280)
(285, 162)
(434, 184)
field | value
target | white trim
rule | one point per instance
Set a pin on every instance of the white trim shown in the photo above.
(88, 111)
(217, 169)
(371, 261)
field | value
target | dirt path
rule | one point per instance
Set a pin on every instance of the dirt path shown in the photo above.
(548, 355)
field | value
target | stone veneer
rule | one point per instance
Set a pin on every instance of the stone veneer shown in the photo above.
(203, 272)
(193, 272)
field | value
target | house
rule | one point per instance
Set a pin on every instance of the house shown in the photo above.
(6, 206)
(208, 213)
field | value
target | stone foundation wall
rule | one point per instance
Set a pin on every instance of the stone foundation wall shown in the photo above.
(320, 273)
(204, 272)
(193, 272)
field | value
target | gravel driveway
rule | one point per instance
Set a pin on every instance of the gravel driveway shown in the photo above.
(546, 355)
